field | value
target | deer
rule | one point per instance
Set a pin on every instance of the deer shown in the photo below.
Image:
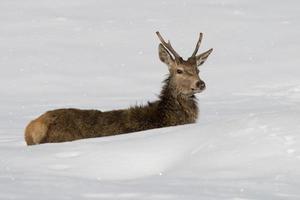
(176, 105)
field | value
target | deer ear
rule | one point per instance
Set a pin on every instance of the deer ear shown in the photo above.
(200, 59)
(164, 55)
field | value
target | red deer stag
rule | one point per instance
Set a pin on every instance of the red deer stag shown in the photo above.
(176, 105)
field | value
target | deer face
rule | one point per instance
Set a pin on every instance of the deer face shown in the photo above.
(185, 78)
(184, 75)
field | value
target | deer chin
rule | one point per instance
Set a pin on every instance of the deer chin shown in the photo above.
(197, 91)
(191, 94)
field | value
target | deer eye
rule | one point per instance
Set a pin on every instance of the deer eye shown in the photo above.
(179, 71)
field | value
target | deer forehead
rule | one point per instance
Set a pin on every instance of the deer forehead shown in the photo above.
(187, 66)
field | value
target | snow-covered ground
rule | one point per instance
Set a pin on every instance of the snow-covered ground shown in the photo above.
(103, 54)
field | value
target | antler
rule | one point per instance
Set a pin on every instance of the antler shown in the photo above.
(168, 45)
(197, 45)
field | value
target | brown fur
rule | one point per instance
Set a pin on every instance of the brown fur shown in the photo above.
(71, 124)
(36, 130)
(176, 105)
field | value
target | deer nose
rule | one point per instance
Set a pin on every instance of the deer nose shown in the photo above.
(200, 85)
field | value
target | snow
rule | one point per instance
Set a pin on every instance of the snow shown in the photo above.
(103, 54)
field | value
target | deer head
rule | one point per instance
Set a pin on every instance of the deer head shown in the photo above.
(184, 74)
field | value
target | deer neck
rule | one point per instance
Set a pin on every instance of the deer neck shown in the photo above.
(183, 108)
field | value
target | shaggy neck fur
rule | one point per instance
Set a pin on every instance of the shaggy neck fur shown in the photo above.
(176, 108)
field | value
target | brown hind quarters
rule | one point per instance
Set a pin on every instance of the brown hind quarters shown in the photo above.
(36, 131)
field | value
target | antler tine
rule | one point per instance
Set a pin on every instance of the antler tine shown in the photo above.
(197, 45)
(167, 45)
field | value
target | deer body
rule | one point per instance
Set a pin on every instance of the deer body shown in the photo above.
(176, 106)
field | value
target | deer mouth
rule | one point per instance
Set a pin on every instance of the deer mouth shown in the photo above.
(195, 91)
(192, 93)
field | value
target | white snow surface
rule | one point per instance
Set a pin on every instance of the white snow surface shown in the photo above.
(103, 55)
